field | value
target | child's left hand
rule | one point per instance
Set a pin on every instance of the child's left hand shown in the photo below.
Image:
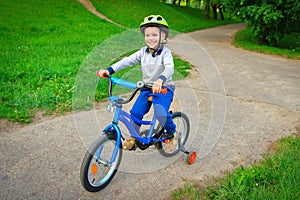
(156, 87)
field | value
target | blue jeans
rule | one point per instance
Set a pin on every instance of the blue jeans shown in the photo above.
(161, 104)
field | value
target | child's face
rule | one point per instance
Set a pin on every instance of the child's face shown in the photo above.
(152, 37)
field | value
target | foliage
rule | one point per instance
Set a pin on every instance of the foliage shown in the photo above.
(276, 177)
(189, 191)
(288, 46)
(269, 19)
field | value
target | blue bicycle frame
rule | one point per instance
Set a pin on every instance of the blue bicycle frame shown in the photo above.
(126, 118)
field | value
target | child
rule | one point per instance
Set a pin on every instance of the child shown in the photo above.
(157, 68)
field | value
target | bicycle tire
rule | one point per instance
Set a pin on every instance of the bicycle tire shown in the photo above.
(183, 127)
(91, 167)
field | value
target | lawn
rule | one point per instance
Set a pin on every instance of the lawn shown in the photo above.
(42, 47)
(181, 19)
(275, 177)
(289, 46)
(44, 44)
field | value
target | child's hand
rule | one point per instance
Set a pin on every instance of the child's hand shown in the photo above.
(156, 87)
(102, 73)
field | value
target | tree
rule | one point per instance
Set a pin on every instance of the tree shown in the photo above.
(207, 9)
(179, 2)
(217, 5)
(221, 10)
(269, 19)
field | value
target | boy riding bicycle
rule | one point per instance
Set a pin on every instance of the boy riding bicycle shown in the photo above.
(157, 68)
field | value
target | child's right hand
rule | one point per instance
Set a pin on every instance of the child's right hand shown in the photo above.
(102, 73)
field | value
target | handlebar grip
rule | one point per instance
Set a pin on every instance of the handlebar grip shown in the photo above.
(164, 91)
(104, 74)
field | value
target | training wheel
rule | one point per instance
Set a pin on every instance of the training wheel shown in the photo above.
(191, 158)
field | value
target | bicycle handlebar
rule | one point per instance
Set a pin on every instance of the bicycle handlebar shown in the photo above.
(131, 85)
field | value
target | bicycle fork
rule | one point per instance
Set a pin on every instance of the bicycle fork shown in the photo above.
(114, 131)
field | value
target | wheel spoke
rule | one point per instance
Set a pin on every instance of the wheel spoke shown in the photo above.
(96, 169)
(104, 162)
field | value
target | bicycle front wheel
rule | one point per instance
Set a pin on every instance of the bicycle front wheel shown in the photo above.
(182, 130)
(100, 164)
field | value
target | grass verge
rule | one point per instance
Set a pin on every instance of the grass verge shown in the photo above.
(276, 177)
(288, 47)
(131, 13)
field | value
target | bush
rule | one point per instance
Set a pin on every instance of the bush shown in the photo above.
(269, 19)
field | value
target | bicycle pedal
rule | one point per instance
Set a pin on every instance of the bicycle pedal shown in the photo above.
(168, 136)
(133, 148)
(166, 141)
(172, 138)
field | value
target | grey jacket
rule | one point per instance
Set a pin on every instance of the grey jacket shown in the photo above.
(154, 66)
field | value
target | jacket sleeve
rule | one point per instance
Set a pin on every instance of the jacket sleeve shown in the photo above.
(129, 61)
(169, 66)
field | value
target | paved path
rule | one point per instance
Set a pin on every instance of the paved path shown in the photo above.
(254, 97)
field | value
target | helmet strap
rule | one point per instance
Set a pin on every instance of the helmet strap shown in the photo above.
(159, 41)
(160, 44)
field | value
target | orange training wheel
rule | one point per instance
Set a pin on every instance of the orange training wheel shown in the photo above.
(191, 158)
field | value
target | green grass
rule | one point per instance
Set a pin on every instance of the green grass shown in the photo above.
(131, 14)
(45, 43)
(276, 177)
(288, 47)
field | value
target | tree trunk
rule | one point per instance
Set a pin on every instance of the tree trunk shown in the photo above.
(187, 3)
(207, 9)
(174, 1)
(221, 9)
(214, 7)
(179, 2)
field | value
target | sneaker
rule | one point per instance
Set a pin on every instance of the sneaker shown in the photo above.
(168, 135)
(172, 144)
(128, 144)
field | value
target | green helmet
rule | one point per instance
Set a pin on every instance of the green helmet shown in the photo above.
(155, 20)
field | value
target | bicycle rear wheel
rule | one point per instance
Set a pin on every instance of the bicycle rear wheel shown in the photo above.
(98, 168)
(182, 129)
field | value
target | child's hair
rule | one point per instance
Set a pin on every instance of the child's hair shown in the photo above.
(155, 21)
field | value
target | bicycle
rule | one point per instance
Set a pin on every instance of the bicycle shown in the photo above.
(100, 163)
